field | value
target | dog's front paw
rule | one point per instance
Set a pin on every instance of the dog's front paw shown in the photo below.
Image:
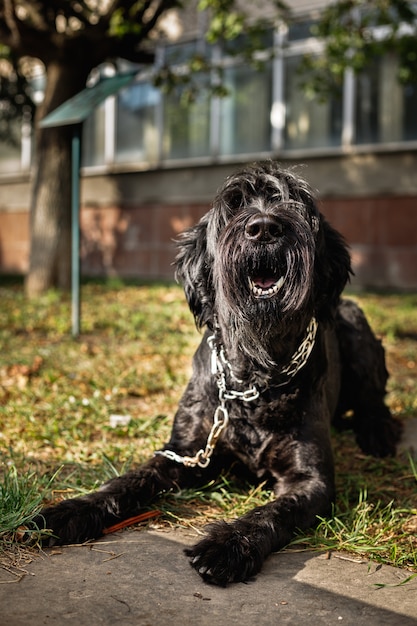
(70, 521)
(226, 555)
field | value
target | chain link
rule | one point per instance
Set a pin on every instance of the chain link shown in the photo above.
(202, 458)
(219, 363)
(300, 356)
(221, 414)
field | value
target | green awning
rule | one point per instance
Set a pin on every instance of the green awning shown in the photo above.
(79, 107)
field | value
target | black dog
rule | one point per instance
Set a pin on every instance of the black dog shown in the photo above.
(281, 356)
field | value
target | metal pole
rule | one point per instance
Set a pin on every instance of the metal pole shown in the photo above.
(75, 218)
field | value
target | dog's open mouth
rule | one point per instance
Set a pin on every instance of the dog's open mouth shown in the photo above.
(265, 286)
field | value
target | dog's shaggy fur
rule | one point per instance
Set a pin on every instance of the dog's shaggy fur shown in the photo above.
(256, 270)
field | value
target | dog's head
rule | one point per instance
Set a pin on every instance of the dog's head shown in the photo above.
(263, 260)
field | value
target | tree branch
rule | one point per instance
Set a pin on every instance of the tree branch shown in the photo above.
(163, 7)
(10, 22)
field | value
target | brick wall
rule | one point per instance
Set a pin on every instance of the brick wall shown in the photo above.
(137, 240)
(14, 242)
(382, 233)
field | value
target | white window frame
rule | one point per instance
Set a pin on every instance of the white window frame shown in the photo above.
(283, 48)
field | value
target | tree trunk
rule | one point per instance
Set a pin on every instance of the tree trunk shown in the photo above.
(50, 255)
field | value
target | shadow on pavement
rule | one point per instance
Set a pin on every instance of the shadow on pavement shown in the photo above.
(142, 577)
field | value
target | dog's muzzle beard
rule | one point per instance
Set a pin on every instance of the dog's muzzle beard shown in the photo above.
(264, 287)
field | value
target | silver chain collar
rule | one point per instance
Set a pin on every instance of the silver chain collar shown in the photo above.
(219, 364)
(300, 356)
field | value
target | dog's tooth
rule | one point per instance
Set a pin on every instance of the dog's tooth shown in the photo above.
(259, 292)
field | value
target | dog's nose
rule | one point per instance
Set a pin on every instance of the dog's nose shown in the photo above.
(261, 227)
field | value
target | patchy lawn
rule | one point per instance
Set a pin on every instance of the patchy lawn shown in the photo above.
(59, 396)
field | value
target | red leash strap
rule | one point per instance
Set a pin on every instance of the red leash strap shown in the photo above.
(132, 520)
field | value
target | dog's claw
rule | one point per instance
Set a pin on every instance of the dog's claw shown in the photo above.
(225, 555)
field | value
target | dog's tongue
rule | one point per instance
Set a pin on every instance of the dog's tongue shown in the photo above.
(264, 283)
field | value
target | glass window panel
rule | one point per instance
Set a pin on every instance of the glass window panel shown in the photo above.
(10, 149)
(93, 137)
(242, 44)
(310, 122)
(300, 30)
(245, 112)
(137, 135)
(180, 53)
(385, 109)
(410, 112)
(186, 123)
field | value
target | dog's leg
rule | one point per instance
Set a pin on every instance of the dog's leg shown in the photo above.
(79, 519)
(363, 384)
(235, 551)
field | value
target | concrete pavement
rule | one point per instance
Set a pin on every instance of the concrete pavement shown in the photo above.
(141, 577)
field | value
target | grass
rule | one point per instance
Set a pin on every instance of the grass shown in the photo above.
(20, 496)
(57, 396)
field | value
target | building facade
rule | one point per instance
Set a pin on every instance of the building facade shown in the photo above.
(152, 161)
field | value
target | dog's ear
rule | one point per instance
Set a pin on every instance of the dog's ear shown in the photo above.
(193, 271)
(332, 269)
